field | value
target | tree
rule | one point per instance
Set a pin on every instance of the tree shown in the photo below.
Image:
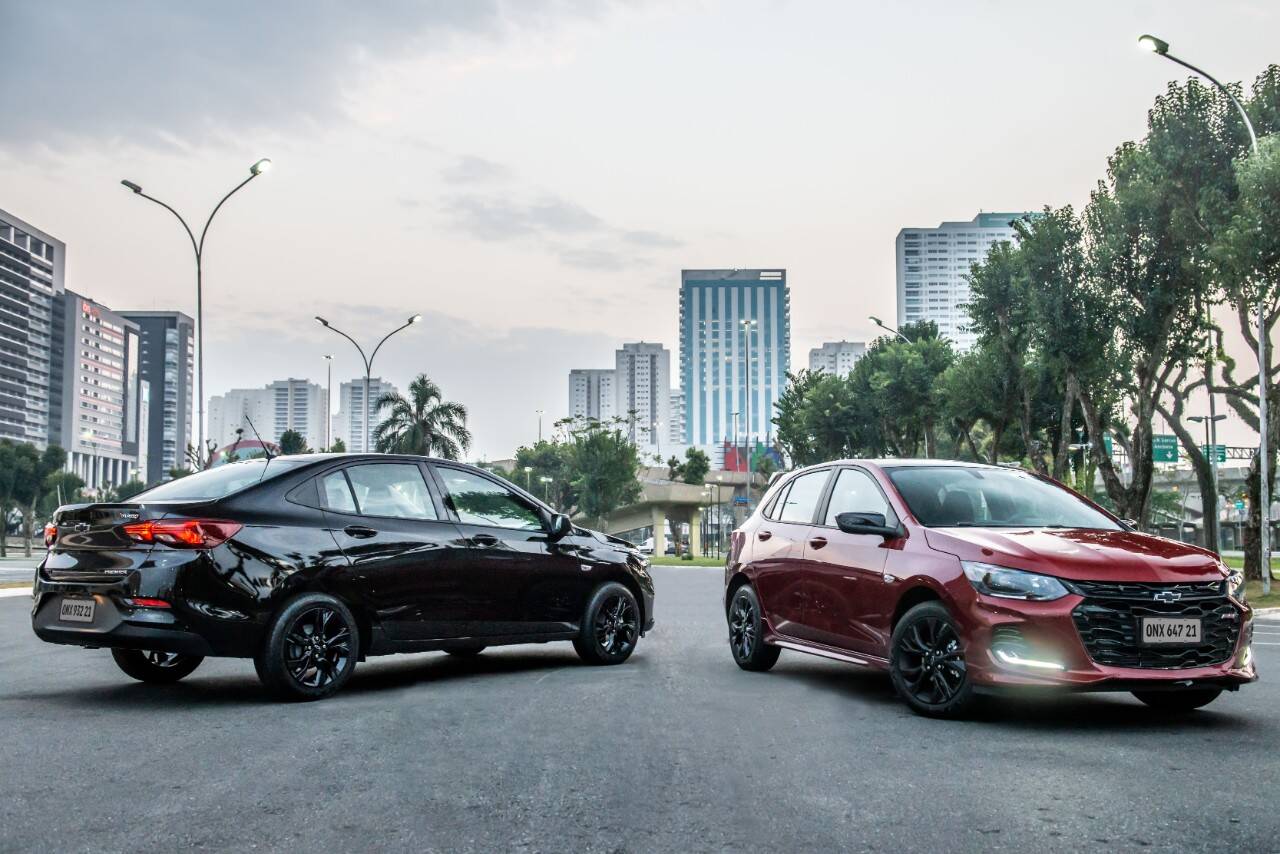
(602, 466)
(423, 423)
(179, 471)
(62, 487)
(549, 459)
(130, 488)
(694, 468)
(293, 442)
(338, 447)
(49, 462)
(790, 417)
(976, 389)
(197, 461)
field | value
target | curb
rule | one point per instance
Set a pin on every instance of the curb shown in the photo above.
(1266, 612)
(7, 592)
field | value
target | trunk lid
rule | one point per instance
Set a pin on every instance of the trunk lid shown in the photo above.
(91, 545)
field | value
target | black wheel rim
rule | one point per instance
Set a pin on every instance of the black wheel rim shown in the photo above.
(742, 628)
(616, 625)
(161, 659)
(931, 662)
(317, 647)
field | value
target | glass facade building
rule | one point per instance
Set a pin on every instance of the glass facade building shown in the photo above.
(735, 351)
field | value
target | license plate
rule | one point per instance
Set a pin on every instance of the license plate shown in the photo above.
(1171, 630)
(76, 610)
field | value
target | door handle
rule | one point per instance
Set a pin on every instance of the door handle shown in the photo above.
(484, 540)
(818, 542)
(764, 535)
(360, 532)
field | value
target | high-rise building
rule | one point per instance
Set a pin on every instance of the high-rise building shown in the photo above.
(32, 270)
(933, 264)
(292, 404)
(836, 357)
(675, 434)
(735, 350)
(95, 395)
(347, 424)
(642, 383)
(165, 361)
(593, 393)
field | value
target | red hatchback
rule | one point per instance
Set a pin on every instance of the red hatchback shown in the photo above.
(960, 578)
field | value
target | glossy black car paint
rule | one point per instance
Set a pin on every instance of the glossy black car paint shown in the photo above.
(412, 585)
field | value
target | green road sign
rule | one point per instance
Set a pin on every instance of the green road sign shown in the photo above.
(1219, 453)
(1106, 443)
(1164, 448)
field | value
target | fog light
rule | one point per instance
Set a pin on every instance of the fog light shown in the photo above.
(1246, 656)
(1015, 660)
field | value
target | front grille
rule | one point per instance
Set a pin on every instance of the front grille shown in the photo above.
(1108, 623)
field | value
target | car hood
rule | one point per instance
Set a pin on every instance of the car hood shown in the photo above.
(1080, 554)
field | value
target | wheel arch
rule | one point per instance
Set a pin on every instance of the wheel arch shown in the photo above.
(915, 595)
(738, 579)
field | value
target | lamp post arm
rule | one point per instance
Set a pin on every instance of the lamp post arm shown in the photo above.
(218, 207)
(194, 246)
(1253, 137)
(359, 349)
(384, 341)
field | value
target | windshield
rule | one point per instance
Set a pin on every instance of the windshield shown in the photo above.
(955, 496)
(218, 482)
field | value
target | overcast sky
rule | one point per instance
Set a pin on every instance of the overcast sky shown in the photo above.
(532, 176)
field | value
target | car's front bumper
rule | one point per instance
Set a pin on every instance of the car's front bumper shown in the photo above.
(1050, 652)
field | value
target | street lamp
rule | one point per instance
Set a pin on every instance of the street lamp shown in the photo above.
(328, 404)
(528, 482)
(1210, 451)
(878, 322)
(255, 170)
(539, 411)
(719, 511)
(368, 361)
(546, 488)
(1160, 47)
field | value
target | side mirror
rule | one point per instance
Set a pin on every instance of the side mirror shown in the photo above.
(867, 523)
(560, 527)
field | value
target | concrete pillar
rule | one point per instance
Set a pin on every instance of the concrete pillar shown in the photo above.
(695, 533)
(659, 522)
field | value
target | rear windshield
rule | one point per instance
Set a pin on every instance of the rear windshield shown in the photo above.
(216, 483)
(962, 497)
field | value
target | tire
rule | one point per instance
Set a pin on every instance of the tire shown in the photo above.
(465, 651)
(746, 632)
(310, 650)
(1178, 701)
(610, 626)
(160, 668)
(927, 665)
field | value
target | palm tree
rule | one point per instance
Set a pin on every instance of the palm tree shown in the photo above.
(424, 423)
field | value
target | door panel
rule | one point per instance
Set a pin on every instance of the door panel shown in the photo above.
(524, 583)
(410, 568)
(779, 548)
(845, 571)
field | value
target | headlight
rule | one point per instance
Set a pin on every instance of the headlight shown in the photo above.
(992, 580)
(1235, 585)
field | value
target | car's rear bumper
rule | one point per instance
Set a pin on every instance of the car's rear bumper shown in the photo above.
(1048, 651)
(142, 628)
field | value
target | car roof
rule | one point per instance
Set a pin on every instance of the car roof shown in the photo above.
(902, 463)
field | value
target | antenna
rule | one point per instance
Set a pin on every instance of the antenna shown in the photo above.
(266, 450)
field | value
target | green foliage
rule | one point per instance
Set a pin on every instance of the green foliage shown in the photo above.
(424, 423)
(548, 459)
(175, 473)
(694, 468)
(293, 442)
(601, 465)
(129, 489)
(338, 447)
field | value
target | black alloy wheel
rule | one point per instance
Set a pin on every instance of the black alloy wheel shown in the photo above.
(927, 665)
(611, 628)
(746, 631)
(147, 665)
(311, 649)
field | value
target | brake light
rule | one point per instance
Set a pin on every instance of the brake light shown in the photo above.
(50, 534)
(183, 533)
(143, 602)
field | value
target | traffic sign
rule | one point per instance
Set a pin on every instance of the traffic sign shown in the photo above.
(1219, 452)
(1164, 448)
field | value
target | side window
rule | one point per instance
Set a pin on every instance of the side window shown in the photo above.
(337, 494)
(390, 490)
(856, 492)
(801, 501)
(480, 501)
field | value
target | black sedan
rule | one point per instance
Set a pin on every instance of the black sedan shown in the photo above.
(308, 564)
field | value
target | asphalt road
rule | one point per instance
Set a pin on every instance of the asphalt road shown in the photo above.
(525, 749)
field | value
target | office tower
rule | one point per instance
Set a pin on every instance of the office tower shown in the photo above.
(836, 357)
(592, 393)
(166, 359)
(642, 383)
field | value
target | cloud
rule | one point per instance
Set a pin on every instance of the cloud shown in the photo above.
(159, 73)
(469, 169)
(500, 218)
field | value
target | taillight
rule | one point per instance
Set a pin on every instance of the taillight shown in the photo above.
(183, 533)
(143, 602)
(50, 534)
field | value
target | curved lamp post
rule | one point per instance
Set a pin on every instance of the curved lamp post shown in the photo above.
(262, 166)
(1160, 47)
(878, 322)
(368, 361)
(328, 403)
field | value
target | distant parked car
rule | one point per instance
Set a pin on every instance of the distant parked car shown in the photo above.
(959, 579)
(308, 564)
